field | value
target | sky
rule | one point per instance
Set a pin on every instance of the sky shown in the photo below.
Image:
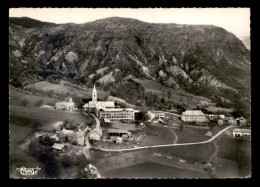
(235, 20)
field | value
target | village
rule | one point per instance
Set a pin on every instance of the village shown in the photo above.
(125, 129)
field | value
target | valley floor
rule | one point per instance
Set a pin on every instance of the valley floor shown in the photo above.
(229, 157)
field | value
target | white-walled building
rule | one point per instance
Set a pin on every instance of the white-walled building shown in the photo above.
(193, 116)
(70, 105)
(158, 114)
(96, 135)
(117, 114)
(241, 132)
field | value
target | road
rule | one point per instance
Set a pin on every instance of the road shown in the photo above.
(87, 144)
(97, 122)
(169, 145)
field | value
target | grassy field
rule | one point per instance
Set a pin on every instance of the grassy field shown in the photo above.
(59, 89)
(17, 97)
(154, 134)
(18, 155)
(187, 135)
(195, 153)
(219, 109)
(235, 151)
(47, 115)
(177, 96)
(24, 121)
(151, 170)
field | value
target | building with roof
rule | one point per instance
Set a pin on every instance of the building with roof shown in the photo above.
(241, 132)
(96, 134)
(59, 147)
(220, 122)
(193, 116)
(159, 114)
(117, 114)
(73, 136)
(70, 105)
(119, 133)
(241, 121)
(94, 105)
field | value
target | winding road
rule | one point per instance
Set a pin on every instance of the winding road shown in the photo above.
(168, 145)
(88, 145)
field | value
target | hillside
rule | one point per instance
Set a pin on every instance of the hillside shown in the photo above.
(201, 60)
(246, 41)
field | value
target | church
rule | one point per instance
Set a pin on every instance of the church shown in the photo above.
(94, 105)
(108, 110)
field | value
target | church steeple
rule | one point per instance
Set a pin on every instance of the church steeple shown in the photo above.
(94, 94)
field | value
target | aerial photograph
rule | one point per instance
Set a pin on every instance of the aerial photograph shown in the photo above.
(129, 93)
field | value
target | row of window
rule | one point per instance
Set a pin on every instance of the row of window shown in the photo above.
(238, 135)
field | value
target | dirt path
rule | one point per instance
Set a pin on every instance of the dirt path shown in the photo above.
(215, 153)
(176, 136)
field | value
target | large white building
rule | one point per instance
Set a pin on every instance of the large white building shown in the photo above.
(193, 116)
(117, 114)
(107, 110)
(70, 105)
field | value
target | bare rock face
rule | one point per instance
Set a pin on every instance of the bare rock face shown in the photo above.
(174, 55)
(17, 53)
(171, 83)
(108, 78)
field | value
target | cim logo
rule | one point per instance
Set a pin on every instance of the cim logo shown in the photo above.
(28, 171)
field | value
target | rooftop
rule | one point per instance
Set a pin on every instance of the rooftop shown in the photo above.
(98, 131)
(58, 146)
(107, 120)
(193, 112)
(117, 131)
(242, 130)
(156, 111)
(118, 109)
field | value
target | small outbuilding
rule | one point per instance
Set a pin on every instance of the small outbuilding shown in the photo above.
(220, 122)
(142, 125)
(59, 147)
(119, 140)
(209, 134)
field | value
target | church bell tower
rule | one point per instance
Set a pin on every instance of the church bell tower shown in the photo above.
(94, 94)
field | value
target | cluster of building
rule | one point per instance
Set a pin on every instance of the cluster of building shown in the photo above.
(156, 116)
(62, 136)
(108, 110)
(198, 116)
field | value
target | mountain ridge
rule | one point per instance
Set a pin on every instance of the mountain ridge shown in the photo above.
(203, 60)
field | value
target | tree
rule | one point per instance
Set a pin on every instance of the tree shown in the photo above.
(162, 100)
